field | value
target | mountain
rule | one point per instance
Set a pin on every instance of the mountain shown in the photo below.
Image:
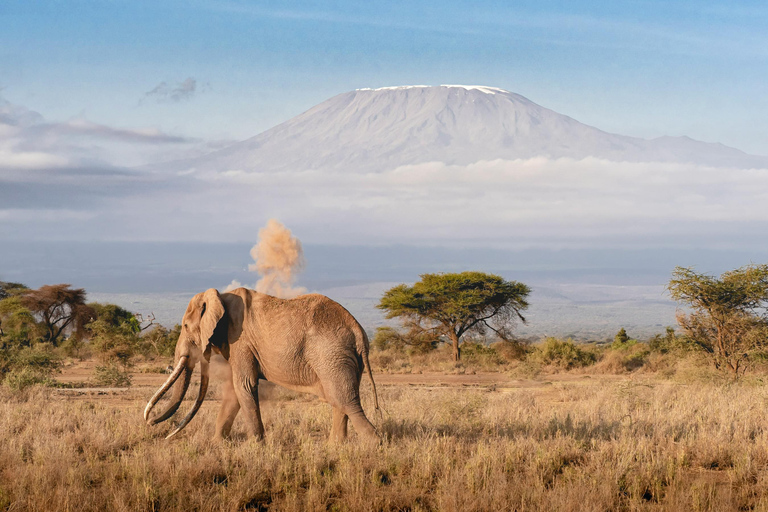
(371, 130)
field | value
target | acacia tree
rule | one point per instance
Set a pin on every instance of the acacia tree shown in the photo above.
(58, 307)
(449, 305)
(728, 320)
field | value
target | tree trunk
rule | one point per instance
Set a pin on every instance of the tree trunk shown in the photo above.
(456, 349)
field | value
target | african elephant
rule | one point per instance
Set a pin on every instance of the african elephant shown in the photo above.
(309, 344)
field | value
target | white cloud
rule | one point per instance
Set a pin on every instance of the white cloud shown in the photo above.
(538, 199)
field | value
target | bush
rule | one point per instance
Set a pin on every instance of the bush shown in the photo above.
(669, 342)
(160, 341)
(22, 378)
(111, 375)
(628, 357)
(25, 364)
(510, 351)
(478, 353)
(563, 354)
(387, 338)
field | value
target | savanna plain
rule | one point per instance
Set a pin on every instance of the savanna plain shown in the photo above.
(631, 430)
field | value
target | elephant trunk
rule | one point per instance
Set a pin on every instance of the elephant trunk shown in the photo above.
(198, 401)
(179, 390)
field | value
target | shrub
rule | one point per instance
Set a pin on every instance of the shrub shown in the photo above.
(417, 342)
(669, 342)
(479, 353)
(510, 351)
(111, 375)
(160, 341)
(387, 338)
(24, 363)
(628, 357)
(563, 354)
(622, 341)
(24, 377)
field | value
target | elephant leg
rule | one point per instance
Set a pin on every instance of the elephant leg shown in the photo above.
(339, 428)
(246, 384)
(229, 409)
(347, 401)
(360, 421)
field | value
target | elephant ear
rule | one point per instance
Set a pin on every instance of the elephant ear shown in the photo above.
(212, 313)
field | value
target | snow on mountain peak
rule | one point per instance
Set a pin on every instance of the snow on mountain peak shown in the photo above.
(482, 88)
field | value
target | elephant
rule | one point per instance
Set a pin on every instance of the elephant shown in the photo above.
(309, 344)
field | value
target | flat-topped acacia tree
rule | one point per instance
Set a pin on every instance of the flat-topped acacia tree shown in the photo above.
(58, 306)
(448, 305)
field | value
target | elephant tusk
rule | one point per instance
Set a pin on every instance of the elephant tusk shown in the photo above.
(165, 387)
(198, 400)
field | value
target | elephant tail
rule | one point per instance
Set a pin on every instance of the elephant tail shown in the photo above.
(363, 347)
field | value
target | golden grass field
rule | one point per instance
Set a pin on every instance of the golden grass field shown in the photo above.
(480, 442)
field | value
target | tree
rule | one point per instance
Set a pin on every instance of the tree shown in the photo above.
(8, 289)
(448, 305)
(58, 307)
(17, 323)
(728, 320)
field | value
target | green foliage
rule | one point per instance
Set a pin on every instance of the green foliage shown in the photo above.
(111, 375)
(622, 341)
(474, 352)
(17, 323)
(449, 305)
(114, 316)
(727, 321)
(25, 366)
(114, 334)
(161, 341)
(413, 342)
(669, 342)
(563, 354)
(22, 378)
(388, 338)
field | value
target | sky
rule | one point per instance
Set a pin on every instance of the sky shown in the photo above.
(91, 91)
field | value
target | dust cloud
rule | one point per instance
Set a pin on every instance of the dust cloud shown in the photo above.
(278, 259)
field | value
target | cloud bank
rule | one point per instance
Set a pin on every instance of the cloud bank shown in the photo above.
(70, 180)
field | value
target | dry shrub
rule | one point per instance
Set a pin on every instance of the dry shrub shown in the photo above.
(624, 359)
(560, 354)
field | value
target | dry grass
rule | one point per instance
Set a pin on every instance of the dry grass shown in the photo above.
(589, 444)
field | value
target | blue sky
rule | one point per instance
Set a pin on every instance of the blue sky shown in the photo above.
(643, 68)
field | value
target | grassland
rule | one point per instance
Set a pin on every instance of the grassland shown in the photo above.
(483, 442)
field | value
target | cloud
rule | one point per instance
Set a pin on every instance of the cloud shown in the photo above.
(81, 166)
(537, 200)
(28, 141)
(166, 93)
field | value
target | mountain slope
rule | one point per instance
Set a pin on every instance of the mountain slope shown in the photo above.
(374, 130)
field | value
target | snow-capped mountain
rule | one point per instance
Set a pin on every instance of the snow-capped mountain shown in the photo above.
(380, 129)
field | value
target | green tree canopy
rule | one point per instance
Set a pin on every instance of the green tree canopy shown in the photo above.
(448, 305)
(112, 315)
(58, 307)
(728, 318)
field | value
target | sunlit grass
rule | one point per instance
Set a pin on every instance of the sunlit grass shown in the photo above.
(584, 445)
